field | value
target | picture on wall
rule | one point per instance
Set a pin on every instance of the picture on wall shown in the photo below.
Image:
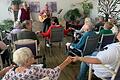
(52, 6)
(34, 7)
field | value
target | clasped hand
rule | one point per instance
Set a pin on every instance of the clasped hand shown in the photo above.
(70, 59)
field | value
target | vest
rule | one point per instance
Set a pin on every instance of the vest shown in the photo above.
(25, 15)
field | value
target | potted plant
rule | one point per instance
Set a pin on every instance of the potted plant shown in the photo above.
(72, 14)
(87, 6)
(6, 25)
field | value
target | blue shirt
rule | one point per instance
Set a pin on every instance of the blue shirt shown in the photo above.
(81, 43)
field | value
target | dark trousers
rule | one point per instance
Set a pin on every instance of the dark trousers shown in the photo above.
(46, 24)
(5, 57)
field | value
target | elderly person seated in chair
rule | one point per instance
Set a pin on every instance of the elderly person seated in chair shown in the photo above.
(88, 31)
(26, 32)
(24, 58)
(5, 70)
(99, 23)
(115, 27)
(78, 33)
(17, 28)
(109, 57)
(54, 24)
(106, 28)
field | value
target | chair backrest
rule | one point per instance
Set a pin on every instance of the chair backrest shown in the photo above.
(117, 76)
(100, 28)
(106, 39)
(26, 35)
(57, 34)
(32, 44)
(14, 37)
(90, 45)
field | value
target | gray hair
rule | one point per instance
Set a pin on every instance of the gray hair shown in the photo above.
(25, 24)
(17, 24)
(25, 3)
(91, 26)
(21, 55)
(87, 20)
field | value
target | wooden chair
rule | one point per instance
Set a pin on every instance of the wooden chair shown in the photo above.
(90, 46)
(105, 40)
(56, 35)
(115, 73)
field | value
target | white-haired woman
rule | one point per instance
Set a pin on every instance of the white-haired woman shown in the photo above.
(77, 33)
(24, 58)
(88, 31)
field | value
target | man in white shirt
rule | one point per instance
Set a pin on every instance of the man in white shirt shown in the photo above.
(108, 57)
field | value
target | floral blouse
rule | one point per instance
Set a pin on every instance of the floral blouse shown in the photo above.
(33, 73)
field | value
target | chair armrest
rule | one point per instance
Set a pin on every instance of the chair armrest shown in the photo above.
(45, 78)
(37, 65)
(4, 50)
(79, 51)
(90, 72)
(111, 71)
(99, 42)
(72, 53)
(76, 49)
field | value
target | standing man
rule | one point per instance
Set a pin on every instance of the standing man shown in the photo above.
(44, 17)
(24, 13)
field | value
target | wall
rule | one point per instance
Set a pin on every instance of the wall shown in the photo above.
(61, 4)
(4, 14)
(66, 5)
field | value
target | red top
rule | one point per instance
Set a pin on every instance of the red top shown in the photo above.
(47, 34)
(25, 15)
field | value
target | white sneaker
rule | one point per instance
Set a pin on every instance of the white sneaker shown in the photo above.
(48, 45)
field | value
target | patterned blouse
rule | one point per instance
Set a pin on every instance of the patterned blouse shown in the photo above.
(33, 73)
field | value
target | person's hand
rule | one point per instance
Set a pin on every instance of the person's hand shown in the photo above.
(37, 32)
(67, 61)
(74, 59)
(71, 28)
